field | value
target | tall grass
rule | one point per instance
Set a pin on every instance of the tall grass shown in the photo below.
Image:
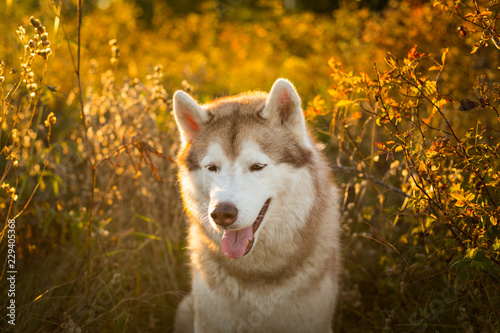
(87, 138)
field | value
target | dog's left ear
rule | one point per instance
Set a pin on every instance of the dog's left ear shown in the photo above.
(283, 105)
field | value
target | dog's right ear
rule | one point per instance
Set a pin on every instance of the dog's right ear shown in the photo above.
(188, 115)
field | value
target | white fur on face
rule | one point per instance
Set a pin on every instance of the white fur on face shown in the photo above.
(235, 183)
(289, 188)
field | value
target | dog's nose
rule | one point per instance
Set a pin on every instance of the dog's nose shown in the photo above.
(224, 214)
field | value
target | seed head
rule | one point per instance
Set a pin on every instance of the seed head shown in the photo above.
(186, 86)
(52, 88)
(51, 119)
(115, 51)
(34, 22)
(37, 24)
(32, 86)
(21, 32)
(158, 69)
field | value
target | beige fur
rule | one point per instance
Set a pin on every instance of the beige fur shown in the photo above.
(288, 280)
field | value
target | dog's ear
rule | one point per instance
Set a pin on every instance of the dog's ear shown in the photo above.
(283, 105)
(188, 115)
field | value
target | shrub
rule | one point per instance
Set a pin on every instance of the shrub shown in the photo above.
(399, 131)
(414, 143)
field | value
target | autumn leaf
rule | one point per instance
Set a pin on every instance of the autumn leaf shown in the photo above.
(443, 57)
(356, 115)
(493, 220)
(365, 78)
(390, 156)
(333, 63)
(475, 48)
(380, 145)
(435, 68)
(344, 102)
(468, 105)
(366, 106)
(462, 31)
(413, 54)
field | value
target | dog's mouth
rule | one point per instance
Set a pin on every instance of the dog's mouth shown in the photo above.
(237, 243)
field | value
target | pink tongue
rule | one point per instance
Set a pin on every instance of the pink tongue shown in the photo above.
(234, 242)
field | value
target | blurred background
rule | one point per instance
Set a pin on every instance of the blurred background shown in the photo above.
(88, 148)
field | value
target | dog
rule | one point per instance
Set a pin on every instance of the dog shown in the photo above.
(263, 216)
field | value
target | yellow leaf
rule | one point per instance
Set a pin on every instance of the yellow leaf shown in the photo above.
(470, 196)
(317, 101)
(343, 102)
(441, 102)
(493, 220)
(445, 53)
(333, 63)
(457, 196)
(334, 93)
(365, 78)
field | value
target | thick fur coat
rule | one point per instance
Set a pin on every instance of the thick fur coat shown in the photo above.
(263, 216)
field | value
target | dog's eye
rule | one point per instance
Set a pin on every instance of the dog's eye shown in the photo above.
(257, 166)
(212, 168)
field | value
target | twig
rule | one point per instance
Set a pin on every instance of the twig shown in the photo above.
(89, 152)
(386, 243)
(33, 193)
(362, 174)
(433, 104)
(89, 249)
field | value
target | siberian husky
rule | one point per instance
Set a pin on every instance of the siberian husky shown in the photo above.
(263, 216)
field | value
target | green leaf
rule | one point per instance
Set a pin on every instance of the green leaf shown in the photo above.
(460, 264)
(480, 255)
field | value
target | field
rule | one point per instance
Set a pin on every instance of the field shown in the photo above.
(406, 100)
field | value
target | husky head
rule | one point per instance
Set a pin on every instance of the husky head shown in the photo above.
(237, 158)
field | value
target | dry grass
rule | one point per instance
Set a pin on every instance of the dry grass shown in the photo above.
(128, 271)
